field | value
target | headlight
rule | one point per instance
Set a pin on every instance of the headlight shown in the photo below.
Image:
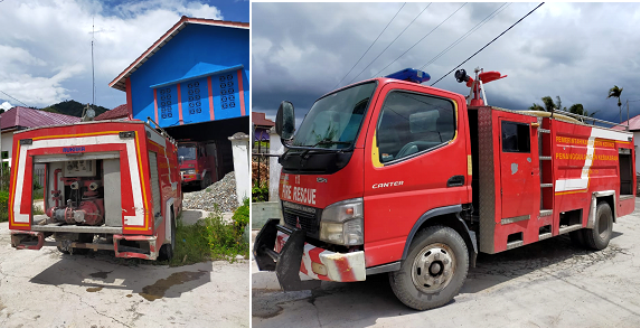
(342, 223)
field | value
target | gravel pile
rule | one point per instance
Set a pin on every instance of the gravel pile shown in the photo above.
(222, 193)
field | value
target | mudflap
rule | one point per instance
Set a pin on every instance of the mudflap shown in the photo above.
(287, 263)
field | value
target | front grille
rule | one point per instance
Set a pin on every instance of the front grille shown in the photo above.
(308, 222)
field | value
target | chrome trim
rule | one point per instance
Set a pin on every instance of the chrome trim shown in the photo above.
(389, 267)
(514, 219)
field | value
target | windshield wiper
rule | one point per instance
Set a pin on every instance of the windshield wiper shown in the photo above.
(331, 142)
(324, 142)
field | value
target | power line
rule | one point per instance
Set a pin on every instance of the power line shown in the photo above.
(464, 36)
(488, 44)
(374, 42)
(394, 40)
(415, 44)
(14, 98)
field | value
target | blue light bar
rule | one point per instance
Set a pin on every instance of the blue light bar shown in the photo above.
(410, 74)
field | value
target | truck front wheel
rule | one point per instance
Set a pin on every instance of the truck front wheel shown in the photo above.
(434, 271)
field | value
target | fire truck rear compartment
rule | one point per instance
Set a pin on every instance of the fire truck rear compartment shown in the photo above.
(82, 205)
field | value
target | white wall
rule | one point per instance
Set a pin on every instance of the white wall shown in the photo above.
(636, 141)
(7, 143)
(275, 147)
(240, 149)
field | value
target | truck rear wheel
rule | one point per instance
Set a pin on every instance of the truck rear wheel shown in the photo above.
(167, 250)
(598, 238)
(434, 271)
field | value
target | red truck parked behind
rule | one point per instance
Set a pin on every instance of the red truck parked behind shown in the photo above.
(390, 176)
(110, 185)
(197, 163)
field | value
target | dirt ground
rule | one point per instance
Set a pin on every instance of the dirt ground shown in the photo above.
(548, 284)
(48, 289)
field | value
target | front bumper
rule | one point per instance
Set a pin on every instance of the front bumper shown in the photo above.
(285, 251)
(187, 178)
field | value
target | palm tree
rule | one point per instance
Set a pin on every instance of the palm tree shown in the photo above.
(579, 109)
(548, 104)
(616, 92)
(536, 107)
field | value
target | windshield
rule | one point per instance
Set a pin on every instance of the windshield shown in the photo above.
(187, 152)
(333, 121)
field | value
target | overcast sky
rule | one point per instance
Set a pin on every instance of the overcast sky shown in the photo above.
(577, 51)
(45, 45)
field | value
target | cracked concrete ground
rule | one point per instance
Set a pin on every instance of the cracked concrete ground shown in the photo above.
(548, 284)
(48, 289)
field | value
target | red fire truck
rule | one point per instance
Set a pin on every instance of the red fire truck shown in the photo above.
(109, 185)
(197, 163)
(390, 176)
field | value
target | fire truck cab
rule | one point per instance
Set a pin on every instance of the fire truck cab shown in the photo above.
(391, 176)
(197, 163)
(109, 185)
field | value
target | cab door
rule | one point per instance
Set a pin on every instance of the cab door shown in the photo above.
(416, 160)
(519, 167)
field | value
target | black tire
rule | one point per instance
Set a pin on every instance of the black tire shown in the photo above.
(204, 183)
(167, 250)
(404, 282)
(577, 238)
(598, 238)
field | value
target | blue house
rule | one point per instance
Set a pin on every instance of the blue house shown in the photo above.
(198, 71)
(194, 82)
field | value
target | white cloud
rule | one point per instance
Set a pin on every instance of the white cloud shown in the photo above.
(45, 46)
(6, 105)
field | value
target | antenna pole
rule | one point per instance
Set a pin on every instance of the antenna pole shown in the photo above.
(93, 71)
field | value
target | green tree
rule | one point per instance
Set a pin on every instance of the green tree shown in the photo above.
(547, 104)
(616, 92)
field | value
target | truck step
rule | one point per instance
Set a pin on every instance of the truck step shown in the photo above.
(545, 158)
(569, 228)
(541, 130)
(545, 236)
(546, 185)
(545, 212)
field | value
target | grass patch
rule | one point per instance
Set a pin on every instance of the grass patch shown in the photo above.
(4, 206)
(38, 194)
(212, 238)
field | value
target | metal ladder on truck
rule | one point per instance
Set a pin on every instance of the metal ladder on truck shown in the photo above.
(545, 145)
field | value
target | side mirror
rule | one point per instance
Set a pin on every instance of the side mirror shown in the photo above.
(285, 121)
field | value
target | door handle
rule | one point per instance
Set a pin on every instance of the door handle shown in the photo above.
(455, 181)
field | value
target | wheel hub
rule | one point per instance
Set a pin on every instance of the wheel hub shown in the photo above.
(433, 268)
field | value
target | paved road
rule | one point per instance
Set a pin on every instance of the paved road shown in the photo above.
(48, 289)
(549, 284)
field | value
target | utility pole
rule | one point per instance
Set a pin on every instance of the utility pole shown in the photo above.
(627, 114)
(93, 71)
